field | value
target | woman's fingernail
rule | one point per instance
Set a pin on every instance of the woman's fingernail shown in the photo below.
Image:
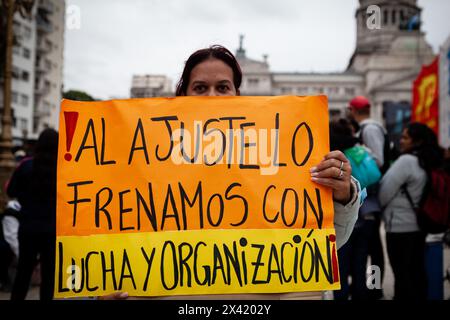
(124, 295)
(314, 174)
(313, 169)
(314, 179)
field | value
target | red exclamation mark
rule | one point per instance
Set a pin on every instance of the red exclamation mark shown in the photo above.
(334, 260)
(71, 123)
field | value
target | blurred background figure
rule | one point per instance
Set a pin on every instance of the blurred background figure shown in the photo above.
(353, 255)
(9, 230)
(372, 135)
(404, 239)
(33, 184)
(434, 251)
(19, 154)
(9, 243)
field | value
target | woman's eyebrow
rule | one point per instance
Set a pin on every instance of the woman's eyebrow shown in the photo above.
(224, 82)
(198, 82)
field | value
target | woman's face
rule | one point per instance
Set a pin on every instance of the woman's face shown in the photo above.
(406, 142)
(211, 77)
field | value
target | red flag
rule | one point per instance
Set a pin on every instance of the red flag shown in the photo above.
(425, 107)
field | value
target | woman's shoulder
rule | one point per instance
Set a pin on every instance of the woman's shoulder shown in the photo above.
(25, 162)
(24, 165)
(408, 158)
(408, 163)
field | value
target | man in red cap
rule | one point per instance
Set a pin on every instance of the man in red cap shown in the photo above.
(372, 135)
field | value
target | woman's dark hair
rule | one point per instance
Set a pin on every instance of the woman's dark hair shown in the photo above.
(215, 51)
(341, 135)
(426, 146)
(44, 164)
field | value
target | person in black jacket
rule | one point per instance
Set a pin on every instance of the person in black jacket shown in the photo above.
(33, 183)
(353, 256)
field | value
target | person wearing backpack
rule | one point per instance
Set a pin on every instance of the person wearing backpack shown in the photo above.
(372, 135)
(420, 154)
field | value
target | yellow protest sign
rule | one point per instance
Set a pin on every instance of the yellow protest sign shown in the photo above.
(193, 195)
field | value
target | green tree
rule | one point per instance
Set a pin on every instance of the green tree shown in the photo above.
(77, 95)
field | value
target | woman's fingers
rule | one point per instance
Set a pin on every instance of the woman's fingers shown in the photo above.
(336, 155)
(115, 296)
(335, 165)
(325, 164)
(334, 172)
(330, 182)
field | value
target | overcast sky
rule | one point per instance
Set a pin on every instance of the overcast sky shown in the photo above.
(119, 38)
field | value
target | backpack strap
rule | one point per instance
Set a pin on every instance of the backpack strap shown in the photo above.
(379, 126)
(408, 195)
(414, 207)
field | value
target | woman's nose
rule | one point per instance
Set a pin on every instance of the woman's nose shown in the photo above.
(212, 92)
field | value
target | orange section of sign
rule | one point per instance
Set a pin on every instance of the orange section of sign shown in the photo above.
(192, 163)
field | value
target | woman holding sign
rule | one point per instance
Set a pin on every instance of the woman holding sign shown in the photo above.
(214, 71)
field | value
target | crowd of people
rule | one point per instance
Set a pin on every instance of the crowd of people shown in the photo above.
(361, 162)
(397, 183)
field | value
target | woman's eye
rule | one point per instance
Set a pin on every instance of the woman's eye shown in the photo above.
(223, 88)
(199, 88)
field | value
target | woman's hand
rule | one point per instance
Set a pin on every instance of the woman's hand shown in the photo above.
(115, 296)
(335, 172)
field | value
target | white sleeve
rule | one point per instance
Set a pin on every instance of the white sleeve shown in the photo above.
(345, 216)
(10, 232)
